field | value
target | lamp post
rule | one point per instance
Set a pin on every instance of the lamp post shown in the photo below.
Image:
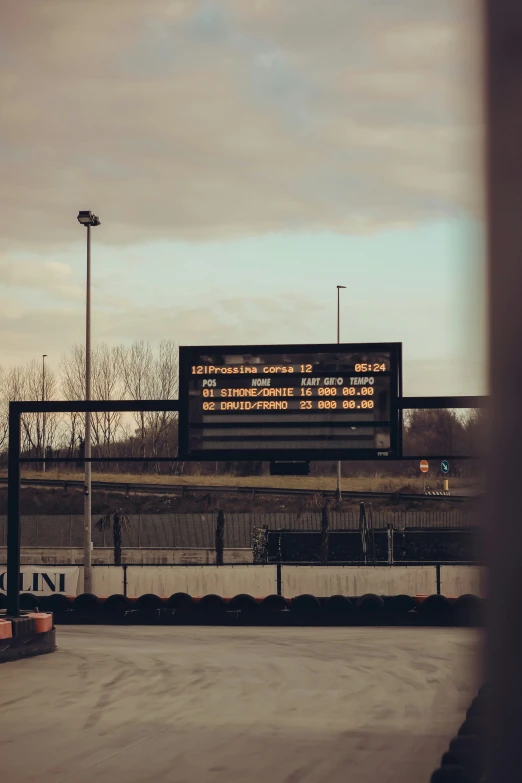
(44, 356)
(86, 218)
(338, 341)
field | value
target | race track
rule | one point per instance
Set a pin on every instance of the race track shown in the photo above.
(221, 705)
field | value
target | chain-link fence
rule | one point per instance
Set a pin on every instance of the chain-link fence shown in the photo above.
(198, 530)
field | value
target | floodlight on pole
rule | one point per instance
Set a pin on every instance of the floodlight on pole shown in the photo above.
(339, 312)
(87, 219)
(339, 340)
(44, 357)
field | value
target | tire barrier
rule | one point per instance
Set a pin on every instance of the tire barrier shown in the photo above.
(22, 626)
(6, 629)
(86, 603)
(29, 601)
(305, 604)
(436, 609)
(149, 603)
(369, 605)
(244, 603)
(116, 604)
(180, 602)
(31, 634)
(339, 608)
(402, 604)
(465, 761)
(26, 626)
(469, 610)
(212, 605)
(42, 622)
(305, 609)
(274, 604)
(56, 603)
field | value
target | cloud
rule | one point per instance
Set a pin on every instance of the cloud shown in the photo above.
(197, 120)
(28, 332)
(54, 279)
(25, 330)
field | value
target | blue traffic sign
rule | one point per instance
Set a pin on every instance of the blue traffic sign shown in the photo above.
(444, 466)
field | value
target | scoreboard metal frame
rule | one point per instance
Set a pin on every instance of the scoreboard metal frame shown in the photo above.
(191, 355)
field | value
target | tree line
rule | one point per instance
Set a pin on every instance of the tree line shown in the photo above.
(117, 373)
(138, 371)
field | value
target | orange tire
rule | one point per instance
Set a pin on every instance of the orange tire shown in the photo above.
(42, 622)
(6, 629)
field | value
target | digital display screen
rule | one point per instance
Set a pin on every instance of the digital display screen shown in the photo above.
(336, 401)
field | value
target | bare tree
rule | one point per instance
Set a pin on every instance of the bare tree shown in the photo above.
(162, 425)
(106, 385)
(152, 377)
(37, 389)
(72, 369)
(136, 367)
(4, 412)
(25, 382)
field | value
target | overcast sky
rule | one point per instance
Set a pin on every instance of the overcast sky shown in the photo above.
(245, 157)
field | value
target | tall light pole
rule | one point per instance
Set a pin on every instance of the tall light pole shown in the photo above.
(86, 218)
(338, 341)
(44, 356)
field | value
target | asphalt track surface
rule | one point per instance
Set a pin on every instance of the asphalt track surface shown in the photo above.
(216, 705)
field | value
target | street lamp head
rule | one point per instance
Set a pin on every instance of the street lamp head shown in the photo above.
(341, 286)
(86, 218)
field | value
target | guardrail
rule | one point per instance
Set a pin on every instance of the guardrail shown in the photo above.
(180, 489)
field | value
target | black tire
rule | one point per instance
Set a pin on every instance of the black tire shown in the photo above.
(116, 604)
(3, 601)
(149, 602)
(86, 603)
(212, 604)
(243, 603)
(56, 603)
(435, 609)
(181, 602)
(370, 605)
(305, 604)
(402, 604)
(29, 601)
(468, 610)
(274, 604)
(338, 606)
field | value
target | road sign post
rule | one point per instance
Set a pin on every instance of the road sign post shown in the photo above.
(424, 467)
(445, 467)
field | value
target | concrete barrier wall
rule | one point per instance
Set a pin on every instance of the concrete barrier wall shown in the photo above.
(324, 581)
(202, 580)
(106, 580)
(459, 580)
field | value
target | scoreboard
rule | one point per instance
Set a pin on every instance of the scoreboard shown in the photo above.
(298, 402)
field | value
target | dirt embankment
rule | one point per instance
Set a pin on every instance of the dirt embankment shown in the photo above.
(39, 500)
